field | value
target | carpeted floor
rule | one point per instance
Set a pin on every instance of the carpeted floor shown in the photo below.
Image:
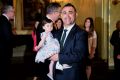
(21, 71)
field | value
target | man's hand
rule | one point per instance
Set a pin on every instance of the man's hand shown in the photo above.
(54, 57)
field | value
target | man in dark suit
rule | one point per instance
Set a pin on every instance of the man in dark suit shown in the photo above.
(74, 48)
(6, 36)
(115, 41)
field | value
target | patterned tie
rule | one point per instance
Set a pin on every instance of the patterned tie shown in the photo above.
(63, 38)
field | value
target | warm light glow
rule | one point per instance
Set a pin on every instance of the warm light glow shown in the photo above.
(57, 0)
(60, 1)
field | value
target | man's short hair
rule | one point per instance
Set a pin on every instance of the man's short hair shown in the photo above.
(70, 5)
(6, 8)
(52, 7)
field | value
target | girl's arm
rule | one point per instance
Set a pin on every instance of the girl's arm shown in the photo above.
(41, 43)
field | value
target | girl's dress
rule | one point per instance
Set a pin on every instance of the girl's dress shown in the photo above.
(49, 48)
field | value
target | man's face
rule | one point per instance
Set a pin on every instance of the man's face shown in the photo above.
(68, 15)
(57, 14)
(11, 14)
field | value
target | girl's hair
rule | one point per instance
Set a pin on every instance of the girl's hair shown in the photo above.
(90, 33)
(45, 21)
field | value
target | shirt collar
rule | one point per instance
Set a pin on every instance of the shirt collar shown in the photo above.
(49, 18)
(70, 27)
(5, 16)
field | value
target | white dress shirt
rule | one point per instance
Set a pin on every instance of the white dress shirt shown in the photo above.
(68, 30)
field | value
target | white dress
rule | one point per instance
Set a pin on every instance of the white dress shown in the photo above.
(49, 48)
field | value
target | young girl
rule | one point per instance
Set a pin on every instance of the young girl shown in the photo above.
(48, 45)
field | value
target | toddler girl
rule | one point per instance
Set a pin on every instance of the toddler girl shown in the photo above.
(48, 46)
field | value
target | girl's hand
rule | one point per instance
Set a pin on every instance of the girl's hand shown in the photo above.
(36, 48)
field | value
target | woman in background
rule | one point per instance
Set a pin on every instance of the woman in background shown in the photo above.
(92, 43)
(58, 24)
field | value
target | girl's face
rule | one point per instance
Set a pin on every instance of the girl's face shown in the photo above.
(48, 27)
(87, 23)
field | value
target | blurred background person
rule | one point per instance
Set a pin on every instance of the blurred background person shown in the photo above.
(115, 41)
(58, 24)
(6, 40)
(92, 43)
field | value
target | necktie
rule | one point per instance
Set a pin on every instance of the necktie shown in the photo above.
(63, 38)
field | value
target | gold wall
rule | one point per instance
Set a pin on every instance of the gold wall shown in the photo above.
(114, 14)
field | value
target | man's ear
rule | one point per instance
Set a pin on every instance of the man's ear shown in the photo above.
(76, 14)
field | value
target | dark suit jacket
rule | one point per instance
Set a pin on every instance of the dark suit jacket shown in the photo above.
(115, 41)
(6, 38)
(6, 47)
(74, 53)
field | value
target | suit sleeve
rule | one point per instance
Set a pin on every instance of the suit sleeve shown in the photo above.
(114, 39)
(6, 33)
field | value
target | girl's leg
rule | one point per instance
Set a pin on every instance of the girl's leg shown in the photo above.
(50, 74)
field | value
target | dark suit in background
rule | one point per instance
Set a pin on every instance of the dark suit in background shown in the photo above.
(6, 40)
(115, 41)
(6, 48)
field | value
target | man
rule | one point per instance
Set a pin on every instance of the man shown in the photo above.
(74, 48)
(6, 40)
(115, 41)
(52, 13)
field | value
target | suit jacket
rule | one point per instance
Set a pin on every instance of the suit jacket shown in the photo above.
(115, 41)
(74, 53)
(6, 38)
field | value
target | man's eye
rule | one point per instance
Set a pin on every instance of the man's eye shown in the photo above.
(63, 12)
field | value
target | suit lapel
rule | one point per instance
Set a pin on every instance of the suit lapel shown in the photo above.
(60, 34)
(70, 36)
